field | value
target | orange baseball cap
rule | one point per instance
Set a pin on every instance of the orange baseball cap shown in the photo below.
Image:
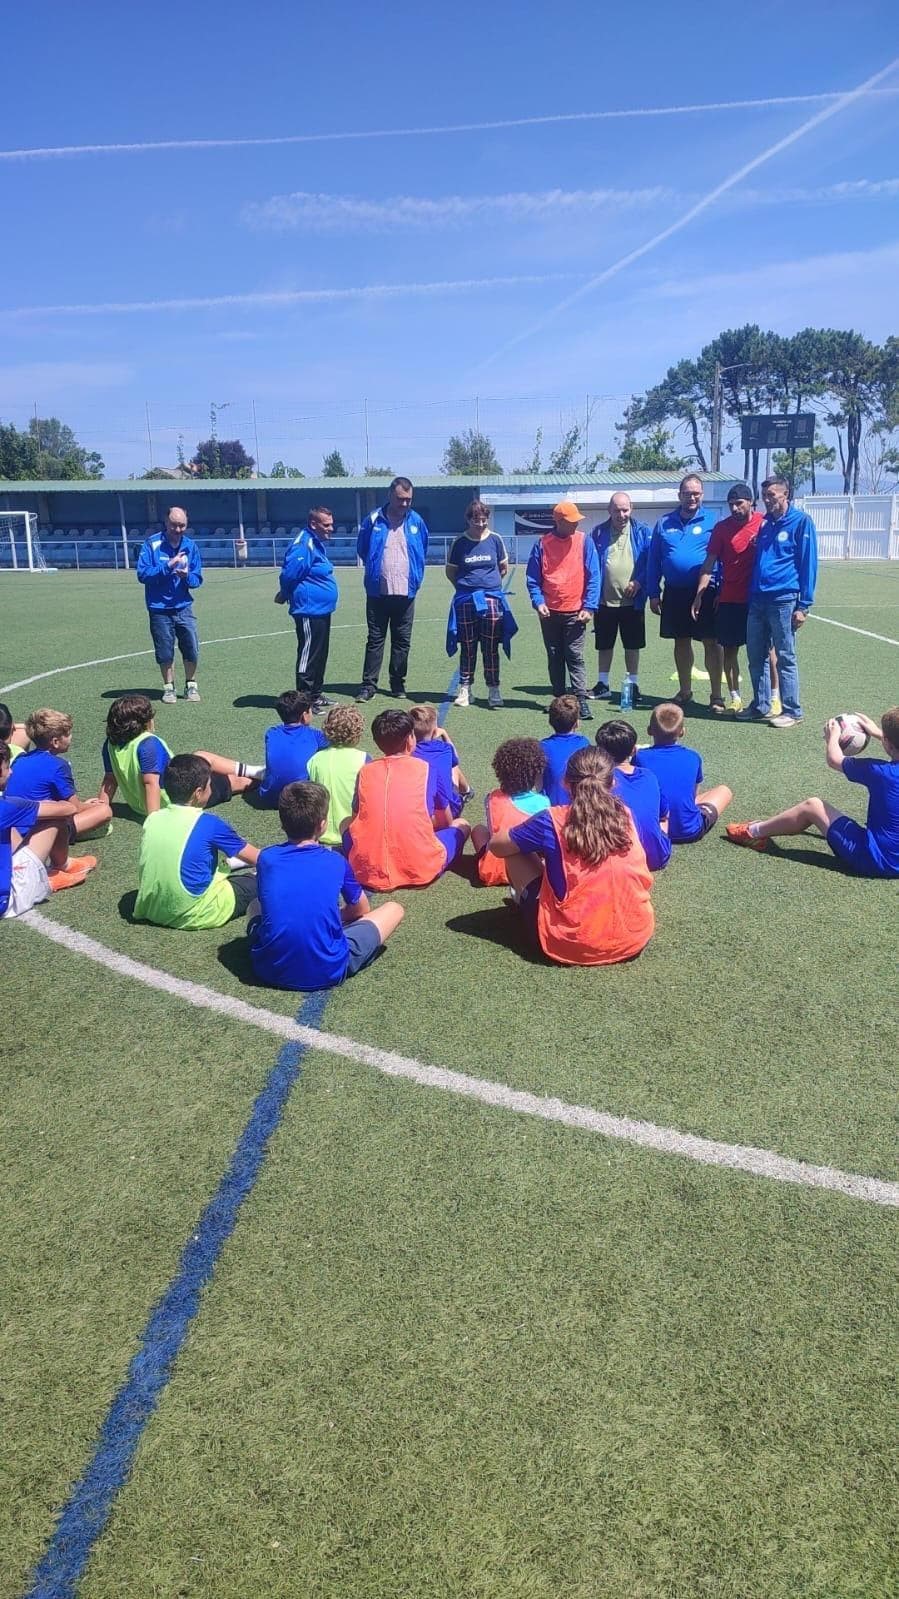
(567, 511)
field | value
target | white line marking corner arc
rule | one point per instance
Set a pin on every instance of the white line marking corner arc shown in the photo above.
(647, 1135)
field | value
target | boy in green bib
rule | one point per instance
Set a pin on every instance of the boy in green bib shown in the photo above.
(135, 760)
(338, 766)
(184, 875)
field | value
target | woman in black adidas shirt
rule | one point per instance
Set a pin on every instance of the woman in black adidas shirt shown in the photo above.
(477, 564)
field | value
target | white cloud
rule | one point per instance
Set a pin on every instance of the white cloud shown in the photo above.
(345, 212)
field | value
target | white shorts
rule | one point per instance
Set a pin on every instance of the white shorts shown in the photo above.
(30, 884)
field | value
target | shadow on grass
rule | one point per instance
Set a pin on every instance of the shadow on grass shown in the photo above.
(803, 856)
(154, 693)
(126, 907)
(499, 924)
(260, 702)
(235, 957)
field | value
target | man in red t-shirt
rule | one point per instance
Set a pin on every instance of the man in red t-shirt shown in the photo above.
(733, 544)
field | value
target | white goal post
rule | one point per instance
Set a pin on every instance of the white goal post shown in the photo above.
(19, 537)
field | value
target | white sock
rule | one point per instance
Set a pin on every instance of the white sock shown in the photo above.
(244, 769)
(630, 677)
(753, 829)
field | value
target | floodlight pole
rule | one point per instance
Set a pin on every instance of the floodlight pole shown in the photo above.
(716, 420)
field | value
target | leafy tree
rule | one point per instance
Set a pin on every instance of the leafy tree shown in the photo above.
(379, 471)
(334, 465)
(532, 468)
(280, 470)
(470, 454)
(222, 458)
(47, 449)
(800, 465)
(652, 454)
(568, 456)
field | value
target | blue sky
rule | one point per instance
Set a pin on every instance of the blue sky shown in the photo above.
(420, 271)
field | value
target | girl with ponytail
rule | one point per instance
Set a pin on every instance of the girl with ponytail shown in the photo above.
(579, 872)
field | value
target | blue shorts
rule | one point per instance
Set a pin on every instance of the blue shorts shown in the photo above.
(365, 944)
(452, 839)
(166, 627)
(851, 844)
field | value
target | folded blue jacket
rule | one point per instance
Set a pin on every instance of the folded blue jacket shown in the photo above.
(478, 599)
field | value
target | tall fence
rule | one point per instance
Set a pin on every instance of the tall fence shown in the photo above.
(859, 527)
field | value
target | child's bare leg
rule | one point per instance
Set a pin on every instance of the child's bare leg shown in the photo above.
(479, 836)
(463, 827)
(522, 870)
(386, 918)
(720, 797)
(52, 838)
(713, 663)
(813, 812)
(460, 781)
(732, 667)
(96, 813)
(238, 779)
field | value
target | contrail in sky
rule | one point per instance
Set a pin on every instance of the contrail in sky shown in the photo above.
(54, 152)
(684, 220)
(285, 297)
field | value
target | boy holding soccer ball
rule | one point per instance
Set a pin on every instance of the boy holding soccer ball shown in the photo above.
(869, 851)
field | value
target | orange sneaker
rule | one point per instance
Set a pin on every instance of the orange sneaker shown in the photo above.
(76, 869)
(738, 833)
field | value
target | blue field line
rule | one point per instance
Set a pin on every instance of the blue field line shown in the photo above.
(84, 1517)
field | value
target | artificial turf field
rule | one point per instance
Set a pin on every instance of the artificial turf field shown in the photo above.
(449, 1350)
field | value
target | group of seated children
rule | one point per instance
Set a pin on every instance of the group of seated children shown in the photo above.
(575, 830)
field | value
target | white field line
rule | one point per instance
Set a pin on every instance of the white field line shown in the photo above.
(666, 1140)
(880, 637)
(133, 655)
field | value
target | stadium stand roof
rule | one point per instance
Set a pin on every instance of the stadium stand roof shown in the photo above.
(211, 485)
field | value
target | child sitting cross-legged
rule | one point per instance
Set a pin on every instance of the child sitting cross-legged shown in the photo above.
(186, 854)
(562, 743)
(639, 789)
(30, 831)
(579, 873)
(135, 760)
(336, 766)
(43, 773)
(289, 747)
(869, 851)
(433, 744)
(678, 771)
(401, 833)
(519, 765)
(300, 936)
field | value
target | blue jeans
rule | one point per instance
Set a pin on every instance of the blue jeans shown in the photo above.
(166, 626)
(770, 622)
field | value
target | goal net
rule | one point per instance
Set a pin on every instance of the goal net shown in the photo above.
(20, 545)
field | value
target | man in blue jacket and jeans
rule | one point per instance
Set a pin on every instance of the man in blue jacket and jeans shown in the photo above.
(392, 545)
(781, 593)
(309, 590)
(169, 567)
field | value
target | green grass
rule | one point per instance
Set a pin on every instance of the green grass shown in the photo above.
(448, 1351)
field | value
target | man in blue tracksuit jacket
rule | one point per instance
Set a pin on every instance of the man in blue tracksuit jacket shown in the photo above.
(781, 594)
(677, 550)
(393, 546)
(309, 590)
(170, 568)
(622, 547)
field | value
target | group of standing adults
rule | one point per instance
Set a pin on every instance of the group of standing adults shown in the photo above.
(748, 579)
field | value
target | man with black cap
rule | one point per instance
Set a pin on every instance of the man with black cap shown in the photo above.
(563, 585)
(733, 544)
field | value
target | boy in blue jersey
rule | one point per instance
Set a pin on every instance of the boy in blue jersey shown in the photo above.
(638, 789)
(182, 882)
(43, 773)
(565, 738)
(308, 588)
(29, 832)
(869, 851)
(170, 568)
(677, 551)
(289, 747)
(300, 936)
(434, 745)
(678, 771)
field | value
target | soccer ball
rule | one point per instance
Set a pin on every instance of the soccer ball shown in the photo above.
(853, 738)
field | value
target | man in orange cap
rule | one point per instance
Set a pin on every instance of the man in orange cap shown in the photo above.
(563, 583)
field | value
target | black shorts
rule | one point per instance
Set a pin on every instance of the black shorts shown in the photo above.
(221, 789)
(730, 623)
(676, 619)
(624, 621)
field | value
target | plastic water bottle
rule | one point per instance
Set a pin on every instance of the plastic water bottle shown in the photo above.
(627, 695)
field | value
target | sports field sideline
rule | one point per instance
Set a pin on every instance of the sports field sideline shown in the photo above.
(448, 1348)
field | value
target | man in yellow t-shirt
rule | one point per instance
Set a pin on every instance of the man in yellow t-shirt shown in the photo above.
(622, 546)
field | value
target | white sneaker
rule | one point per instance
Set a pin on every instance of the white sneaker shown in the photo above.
(784, 720)
(494, 698)
(192, 693)
(463, 698)
(169, 696)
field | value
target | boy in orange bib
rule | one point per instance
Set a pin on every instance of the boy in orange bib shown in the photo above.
(391, 839)
(519, 765)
